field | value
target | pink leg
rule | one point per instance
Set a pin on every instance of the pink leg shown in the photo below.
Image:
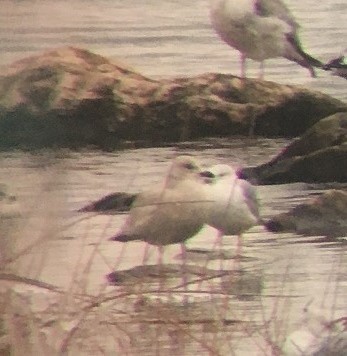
(160, 268)
(145, 255)
(185, 280)
(220, 252)
(217, 242)
(261, 70)
(121, 255)
(184, 258)
(238, 252)
(239, 245)
(160, 254)
(243, 66)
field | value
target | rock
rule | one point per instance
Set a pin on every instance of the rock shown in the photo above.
(112, 203)
(326, 215)
(67, 97)
(70, 97)
(319, 155)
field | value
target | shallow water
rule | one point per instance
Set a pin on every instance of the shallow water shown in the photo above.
(176, 37)
(292, 270)
(167, 38)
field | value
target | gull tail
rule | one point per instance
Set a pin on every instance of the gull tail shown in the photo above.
(301, 57)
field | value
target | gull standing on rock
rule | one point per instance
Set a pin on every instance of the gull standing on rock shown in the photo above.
(171, 212)
(260, 29)
(234, 208)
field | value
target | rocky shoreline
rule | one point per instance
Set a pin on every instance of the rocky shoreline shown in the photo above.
(70, 97)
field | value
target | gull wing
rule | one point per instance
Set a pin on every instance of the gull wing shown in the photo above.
(250, 195)
(276, 8)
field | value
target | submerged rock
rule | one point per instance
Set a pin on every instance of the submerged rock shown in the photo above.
(70, 97)
(319, 155)
(325, 215)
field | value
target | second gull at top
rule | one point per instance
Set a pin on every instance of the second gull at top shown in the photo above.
(260, 29)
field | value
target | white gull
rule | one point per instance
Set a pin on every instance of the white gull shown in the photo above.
(170, 212)
(260, 29)
(234, 208)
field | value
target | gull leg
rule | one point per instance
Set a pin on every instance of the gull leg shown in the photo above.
(120, 256)
(217, 244)
(261, 70)
(140, 296)
(160, 254)
(238, 252)
(243, 66)
(184, 272)
(145, 255)
(160, 268)
(239, 245)
(219, 241)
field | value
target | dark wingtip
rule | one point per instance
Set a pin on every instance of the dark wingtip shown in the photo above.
(311, 63)
(117, 202)
(334, 63)
(307, 60)
(120, 238)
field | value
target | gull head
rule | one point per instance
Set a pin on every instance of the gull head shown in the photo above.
(183, 167)
(222, 172)
(219, 172)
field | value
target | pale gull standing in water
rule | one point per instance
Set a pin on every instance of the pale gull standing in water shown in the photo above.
(170, 212)
(234, 208)
(259, 30)
(338, 66)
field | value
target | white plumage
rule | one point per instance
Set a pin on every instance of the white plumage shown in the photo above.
(170, 212)
(234, 208)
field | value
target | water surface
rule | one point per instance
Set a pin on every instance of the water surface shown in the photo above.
(162, 39)
(291, 270)
(167, 38)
